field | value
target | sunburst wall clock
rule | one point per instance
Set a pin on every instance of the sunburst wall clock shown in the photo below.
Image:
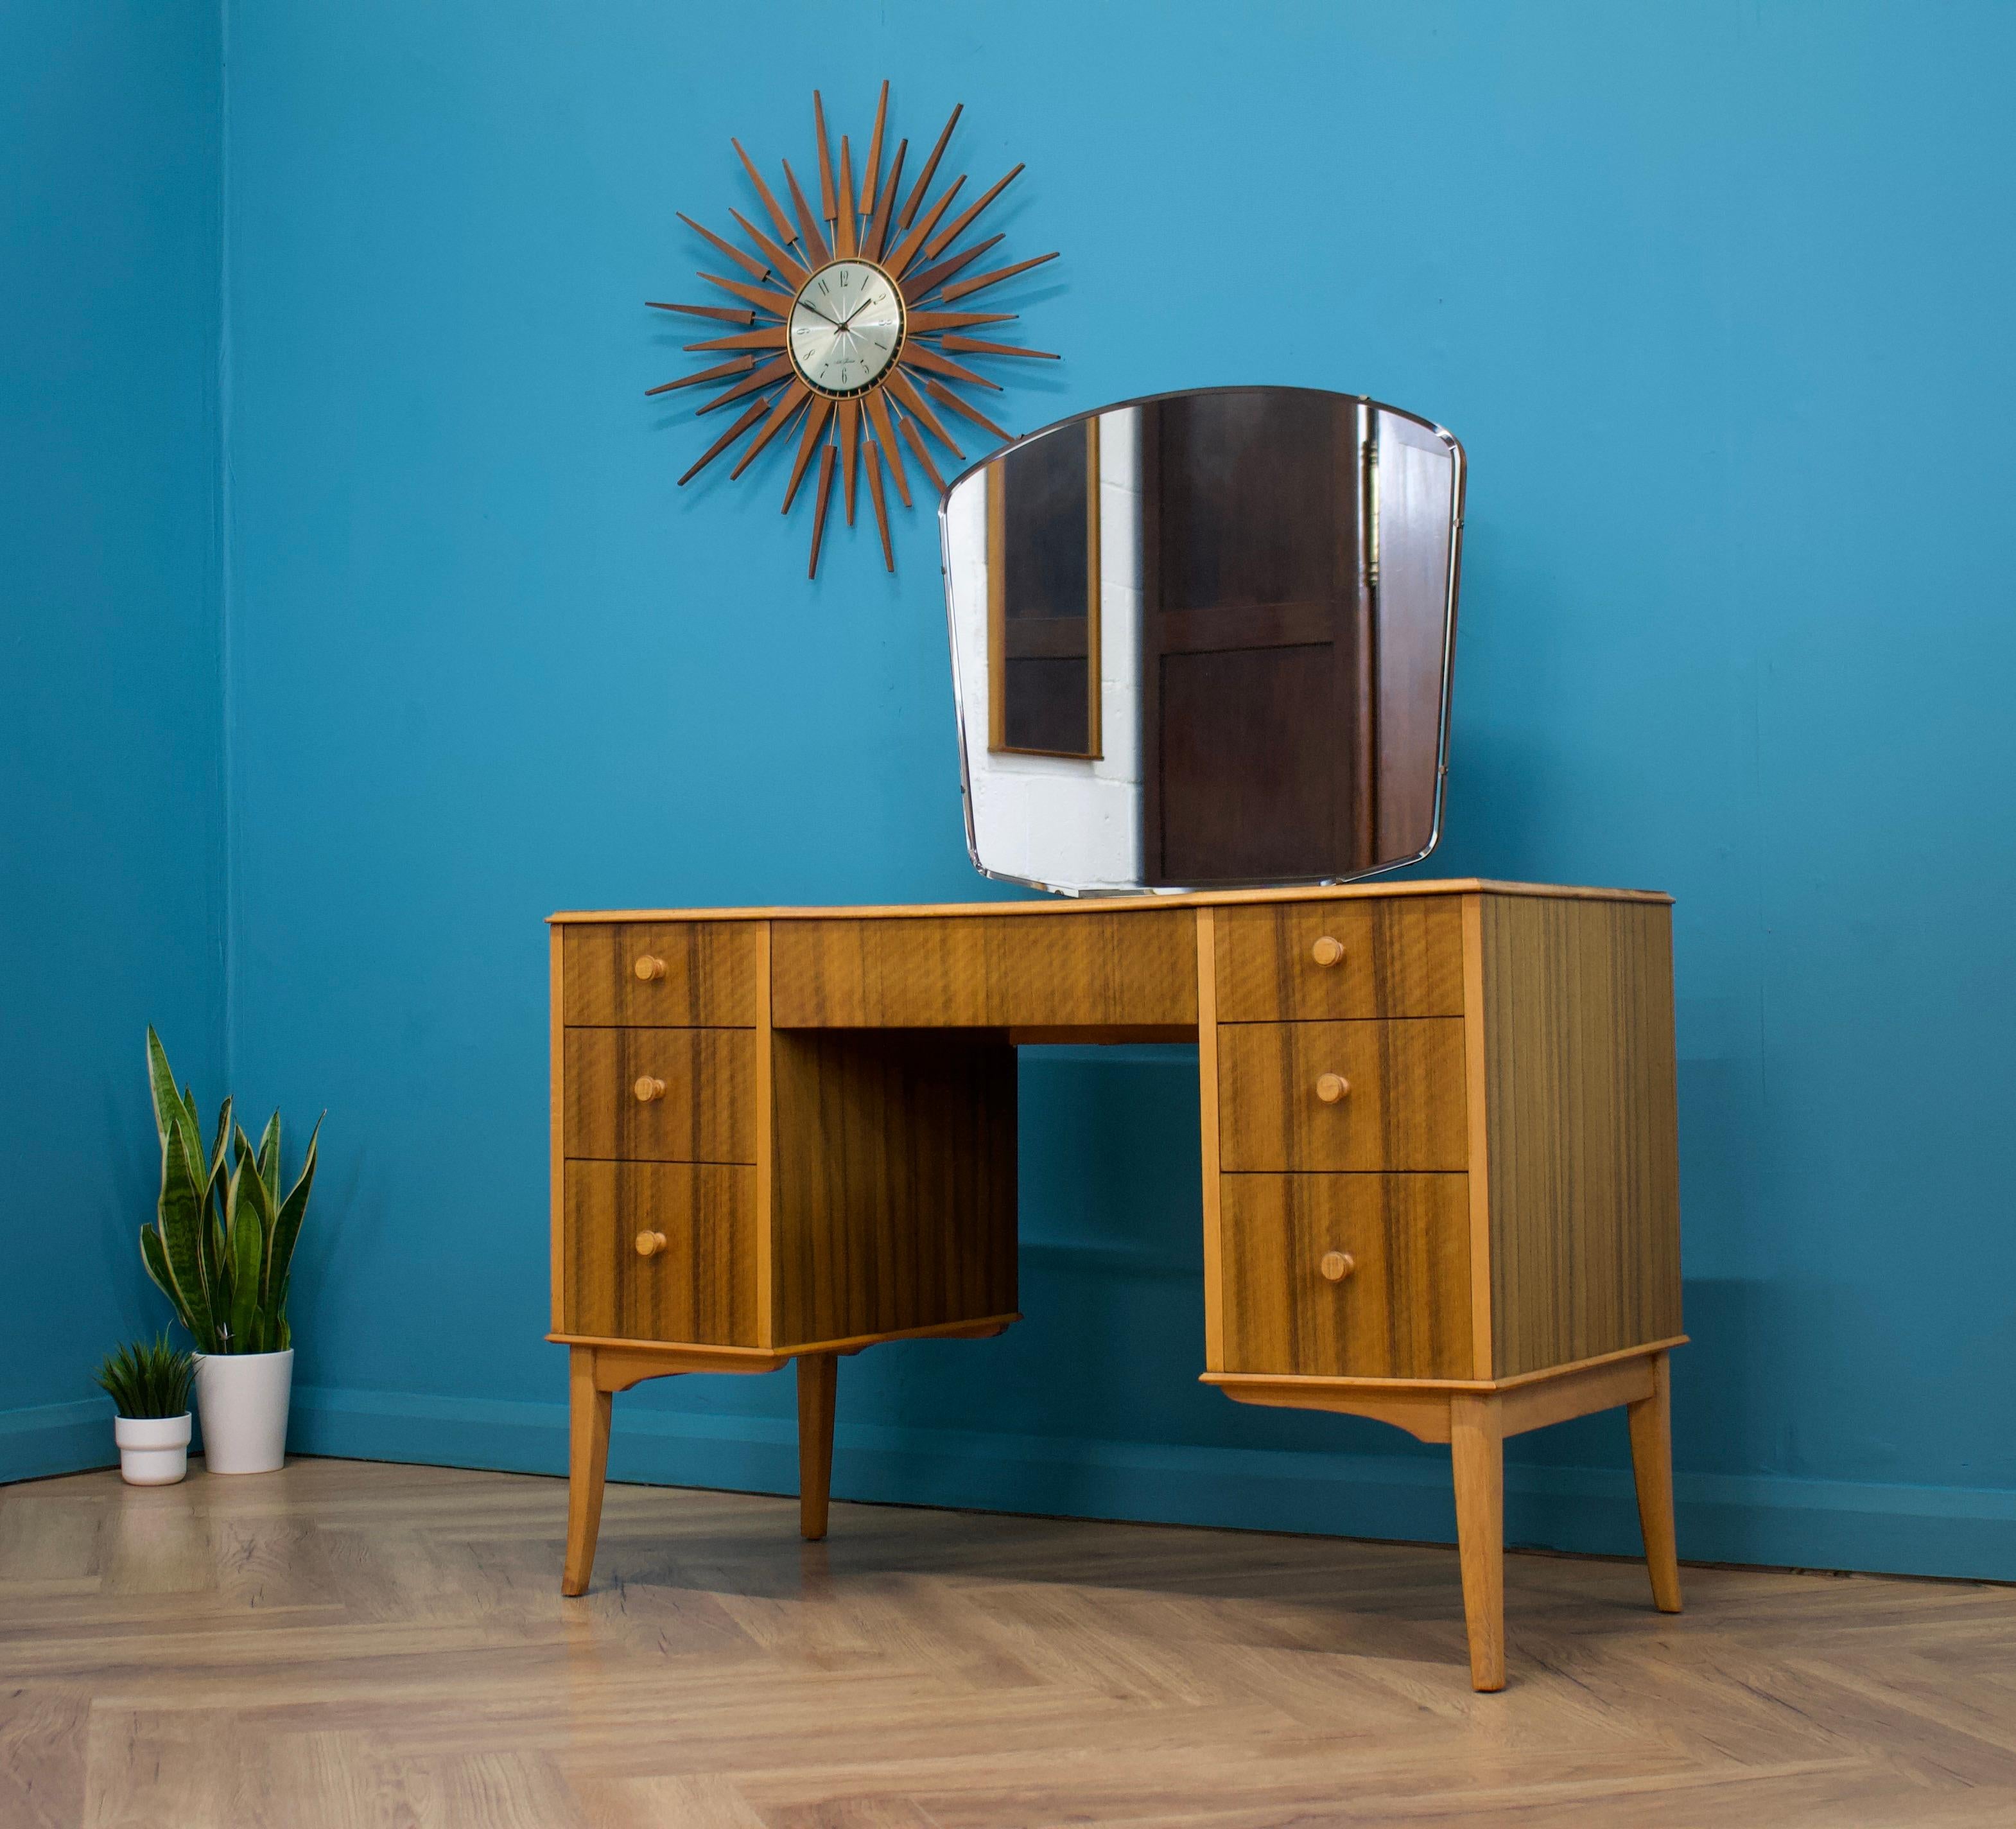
(848, 334)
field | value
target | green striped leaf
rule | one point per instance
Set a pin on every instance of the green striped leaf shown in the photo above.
(287, 1229)
(179, 1219)
(246, 1248)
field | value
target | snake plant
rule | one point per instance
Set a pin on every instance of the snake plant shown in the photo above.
(222, 1242)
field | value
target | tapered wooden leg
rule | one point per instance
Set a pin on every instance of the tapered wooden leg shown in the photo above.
(1477, 1453)
(588, 1462)
(816, 1381)
(1652, 1465)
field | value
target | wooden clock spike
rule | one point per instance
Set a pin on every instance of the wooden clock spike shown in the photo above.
(943, 364)
(965, 288)
(885, 436)
(777, 304)
(757, 409)
(908, 427)
(786, 233)
(873, 463)
(788, 402)
(827, 207)
(871, 176)
(878, 228)
(761, 377)
(899, 385)
(925, 321)
(755, 269)
(899, 263)
(843, 227)
(786, 268)
(921, 283)
(815, 246)
(945, 237)
(945, 396)
(931, 167)
(850, 451)
(706, 374)
(770, 337)
(816, 418)
(819, 507)
(726, 314)
(974, 346)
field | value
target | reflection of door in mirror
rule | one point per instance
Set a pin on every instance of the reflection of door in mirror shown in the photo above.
(1042, 595)
(1254, 647)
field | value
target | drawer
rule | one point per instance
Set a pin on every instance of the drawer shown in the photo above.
(661, 1094)
(1400, 1309)
(698, 1288)
(1401, 956)
(678, 973)
(1401, 1104)
(983, 971)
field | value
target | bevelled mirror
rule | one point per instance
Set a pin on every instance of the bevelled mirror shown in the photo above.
(1204, 639)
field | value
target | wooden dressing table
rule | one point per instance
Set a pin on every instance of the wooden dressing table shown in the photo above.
(1440, 1174)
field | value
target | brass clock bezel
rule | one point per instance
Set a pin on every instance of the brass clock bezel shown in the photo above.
(882, 374)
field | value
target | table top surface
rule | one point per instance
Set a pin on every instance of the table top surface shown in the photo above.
(1146, 900)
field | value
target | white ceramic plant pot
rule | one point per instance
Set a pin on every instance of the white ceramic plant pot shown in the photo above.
(243, 1398)
(153, 1451)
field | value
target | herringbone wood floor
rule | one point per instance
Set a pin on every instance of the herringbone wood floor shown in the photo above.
(352, 1643)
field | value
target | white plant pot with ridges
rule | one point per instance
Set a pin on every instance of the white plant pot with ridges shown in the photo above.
(243, 1399)
(153, 1451)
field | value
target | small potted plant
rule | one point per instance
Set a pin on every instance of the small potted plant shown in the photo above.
(148, 1383)
(220, 1251)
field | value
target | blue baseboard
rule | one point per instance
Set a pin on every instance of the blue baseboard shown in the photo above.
(1770, 1520)
(56, 1438)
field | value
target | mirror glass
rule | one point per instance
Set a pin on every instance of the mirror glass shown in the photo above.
(1204, 639)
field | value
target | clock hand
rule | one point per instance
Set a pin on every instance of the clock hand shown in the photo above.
(816, 312)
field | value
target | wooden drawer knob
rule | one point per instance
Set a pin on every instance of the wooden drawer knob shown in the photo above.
(1327, 951)
(648, 967)
(648, 1089)
(650, 1244)
(1337, 1265)
(1332, 1087)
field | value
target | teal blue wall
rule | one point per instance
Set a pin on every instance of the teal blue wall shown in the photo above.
(1718, 296)
(112, 856)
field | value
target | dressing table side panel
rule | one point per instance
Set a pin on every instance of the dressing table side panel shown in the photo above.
(1581, 1136)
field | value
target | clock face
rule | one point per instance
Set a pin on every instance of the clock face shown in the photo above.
(846, 328)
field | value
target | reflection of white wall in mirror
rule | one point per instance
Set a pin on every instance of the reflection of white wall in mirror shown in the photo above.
(1055, 817)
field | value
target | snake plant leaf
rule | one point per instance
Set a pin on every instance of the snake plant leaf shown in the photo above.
(223, 1128)
(287, 1228)
(179, 1217)
(156, 1260)
(172, 1110)
(252, 1194)
(161, 1086)
(269, 1160)
(247, 1245)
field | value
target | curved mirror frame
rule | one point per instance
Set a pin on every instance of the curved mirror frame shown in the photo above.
(1204, 639)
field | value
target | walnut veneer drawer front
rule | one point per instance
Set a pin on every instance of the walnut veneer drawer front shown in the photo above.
(1297, 961)
(983, 971)
(1346, 1276)
(695, 1280)
(1362, 1096)
(700, 973)
(662, 1094)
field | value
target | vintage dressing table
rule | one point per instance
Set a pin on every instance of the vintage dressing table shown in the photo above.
(1437, 1140)
(1199, 641)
